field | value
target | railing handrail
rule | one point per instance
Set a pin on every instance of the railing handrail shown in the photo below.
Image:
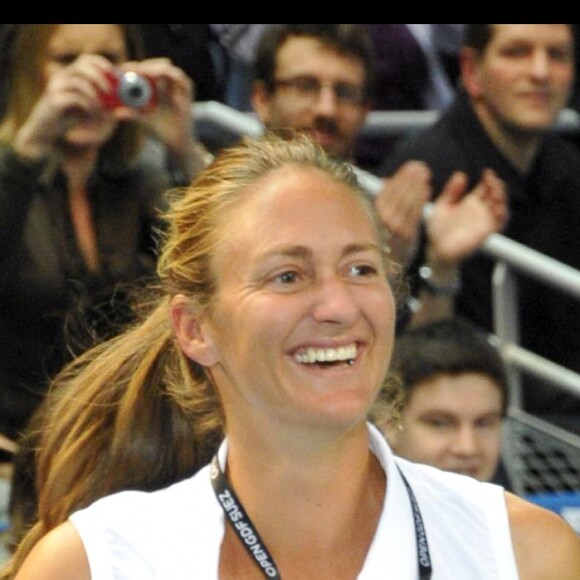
(385, 123)
(377, 123)
(219, 114)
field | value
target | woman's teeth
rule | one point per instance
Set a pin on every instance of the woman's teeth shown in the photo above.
(320, 355)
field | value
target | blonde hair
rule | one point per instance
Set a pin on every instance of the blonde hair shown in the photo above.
(135, 412)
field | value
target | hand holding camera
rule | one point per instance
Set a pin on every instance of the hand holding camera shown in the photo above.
(129, 89)
(83, 99)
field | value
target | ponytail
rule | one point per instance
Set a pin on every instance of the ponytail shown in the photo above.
(131, 413)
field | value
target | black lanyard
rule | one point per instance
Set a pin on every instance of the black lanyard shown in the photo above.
(423, 556)
(245, 530)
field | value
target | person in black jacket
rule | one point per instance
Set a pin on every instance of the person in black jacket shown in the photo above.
(516, 79)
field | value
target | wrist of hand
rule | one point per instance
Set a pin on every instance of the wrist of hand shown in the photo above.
(440, 282)
(29, 148)
(184, 168)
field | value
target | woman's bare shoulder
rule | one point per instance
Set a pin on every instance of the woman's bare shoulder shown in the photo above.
(545, 545)
(59, 554)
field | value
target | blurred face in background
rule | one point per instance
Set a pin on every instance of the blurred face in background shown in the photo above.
(67, 43)
(317, 91)
(453, 422)
(523, 78)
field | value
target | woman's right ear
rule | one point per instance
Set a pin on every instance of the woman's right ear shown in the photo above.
(191, 332)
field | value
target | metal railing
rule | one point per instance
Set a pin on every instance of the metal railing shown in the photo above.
(385, 123)
(378, 123)
(510, 256)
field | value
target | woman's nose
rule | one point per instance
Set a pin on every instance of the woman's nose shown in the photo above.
(335, 301)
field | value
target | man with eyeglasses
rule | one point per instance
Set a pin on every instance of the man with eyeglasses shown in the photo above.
(319, 79)
(305, 80)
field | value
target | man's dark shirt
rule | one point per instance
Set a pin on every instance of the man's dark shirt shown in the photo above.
(544, 215)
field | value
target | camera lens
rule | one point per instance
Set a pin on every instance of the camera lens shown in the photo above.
(134, 90)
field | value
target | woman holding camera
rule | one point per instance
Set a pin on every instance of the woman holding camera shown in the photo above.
(83, 169)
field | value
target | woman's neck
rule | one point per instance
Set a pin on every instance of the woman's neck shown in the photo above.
(315, 508)
(78, 165)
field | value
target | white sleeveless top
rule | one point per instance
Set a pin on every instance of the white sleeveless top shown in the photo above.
(176, 533)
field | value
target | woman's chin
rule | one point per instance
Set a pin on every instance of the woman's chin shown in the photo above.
(88, 135)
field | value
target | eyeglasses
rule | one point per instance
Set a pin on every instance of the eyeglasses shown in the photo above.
(309, 88)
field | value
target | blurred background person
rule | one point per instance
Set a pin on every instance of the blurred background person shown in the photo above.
(78, 196)
(86, 156)
(455, 399)
(516, 80)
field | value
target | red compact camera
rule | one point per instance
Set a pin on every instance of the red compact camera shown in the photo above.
(129, 89)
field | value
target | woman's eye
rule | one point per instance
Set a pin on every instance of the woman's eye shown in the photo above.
(64, 59)
(288, 277)
(113, 57)
(285, 278)
(362, 270)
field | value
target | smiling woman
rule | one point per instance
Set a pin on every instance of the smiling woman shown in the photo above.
(234, 362)
(302, 292)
